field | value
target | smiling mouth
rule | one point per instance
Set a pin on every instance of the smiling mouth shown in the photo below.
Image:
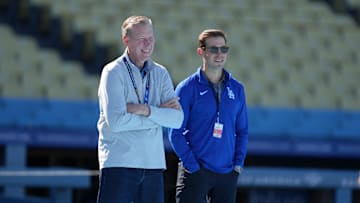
(146, 51)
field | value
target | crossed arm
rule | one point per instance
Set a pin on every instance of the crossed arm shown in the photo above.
(144, 110)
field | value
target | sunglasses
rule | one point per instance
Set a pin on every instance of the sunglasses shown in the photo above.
(215, 50)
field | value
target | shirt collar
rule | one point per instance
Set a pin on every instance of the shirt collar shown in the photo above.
(203, 79)
(143, 70)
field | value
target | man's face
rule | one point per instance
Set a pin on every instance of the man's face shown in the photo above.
(140, 43)
(213, 55)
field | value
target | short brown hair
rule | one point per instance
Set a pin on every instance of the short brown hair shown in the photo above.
(133, 20)
(210, 33)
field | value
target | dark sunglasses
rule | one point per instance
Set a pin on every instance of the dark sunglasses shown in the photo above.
(215, 50)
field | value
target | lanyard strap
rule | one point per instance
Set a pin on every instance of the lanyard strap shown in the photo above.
(218, 90)
(146, 97)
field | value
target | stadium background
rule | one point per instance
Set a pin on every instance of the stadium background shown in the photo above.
(298, 59)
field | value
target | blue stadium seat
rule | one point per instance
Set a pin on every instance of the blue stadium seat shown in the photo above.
(68, 114)
(272, 121)
(19, 112)
(349, 126)
(85, 115)
(39, 113)
(317, 123)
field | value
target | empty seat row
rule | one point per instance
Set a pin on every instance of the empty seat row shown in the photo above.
(354, 3)
(306, 58)
(42, 113)
(264, 122)
(27, 70)
(304, 123)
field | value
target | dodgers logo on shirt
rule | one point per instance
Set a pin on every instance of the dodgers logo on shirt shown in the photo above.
(231, 94)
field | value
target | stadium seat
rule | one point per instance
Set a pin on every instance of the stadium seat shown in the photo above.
(303, 38)
(19, 113)
(60, 114)
(354, 3)
(7, 48)
(317, 123)
(273, 122)
(349, 127)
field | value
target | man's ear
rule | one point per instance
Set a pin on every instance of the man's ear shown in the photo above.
(200, 51)
(125, 40)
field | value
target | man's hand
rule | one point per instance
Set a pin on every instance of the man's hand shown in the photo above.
(238, 169)
(139, 109)
(172, 103)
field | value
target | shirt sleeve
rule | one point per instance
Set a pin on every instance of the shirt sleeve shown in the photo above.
(241, 132)
(166, 117)
(177, 137)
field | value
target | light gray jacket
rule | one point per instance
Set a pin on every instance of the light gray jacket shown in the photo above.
(126, 139)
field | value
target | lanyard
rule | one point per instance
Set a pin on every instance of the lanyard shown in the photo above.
(217, 99)
(146, 97)
(218, 90)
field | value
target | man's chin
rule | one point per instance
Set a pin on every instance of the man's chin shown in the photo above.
(146, 56)
(219, 65)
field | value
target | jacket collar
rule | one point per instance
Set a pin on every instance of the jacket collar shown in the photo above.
(203, 80)
(149, 64)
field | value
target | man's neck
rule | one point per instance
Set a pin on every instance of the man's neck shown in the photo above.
(214, 75)
(137, 63)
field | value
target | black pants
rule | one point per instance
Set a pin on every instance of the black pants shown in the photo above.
(205, 185)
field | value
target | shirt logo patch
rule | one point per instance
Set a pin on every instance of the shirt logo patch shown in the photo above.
(203, 92)
(231, 94)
